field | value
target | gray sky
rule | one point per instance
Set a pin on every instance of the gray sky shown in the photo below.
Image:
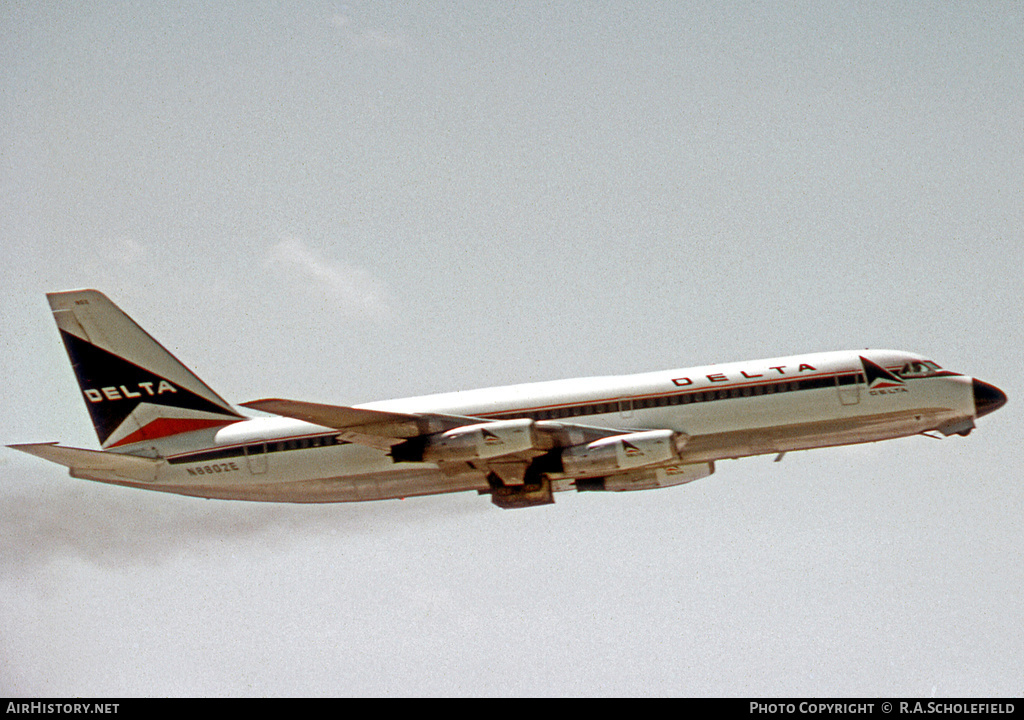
(345, 202)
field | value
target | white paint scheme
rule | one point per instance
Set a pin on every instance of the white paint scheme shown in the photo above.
(723, 411)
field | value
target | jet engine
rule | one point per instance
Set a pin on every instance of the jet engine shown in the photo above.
(472, 442)
(620, 453)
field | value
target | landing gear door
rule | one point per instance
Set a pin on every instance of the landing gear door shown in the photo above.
(848, 387)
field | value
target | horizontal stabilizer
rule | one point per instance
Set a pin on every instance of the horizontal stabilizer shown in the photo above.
(95, 464)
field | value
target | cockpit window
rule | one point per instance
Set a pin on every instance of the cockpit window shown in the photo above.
(918, 369)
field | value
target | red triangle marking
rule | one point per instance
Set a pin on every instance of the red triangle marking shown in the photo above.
(164, 427)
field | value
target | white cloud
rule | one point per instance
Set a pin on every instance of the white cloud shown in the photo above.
(349, 290)
(352, 34)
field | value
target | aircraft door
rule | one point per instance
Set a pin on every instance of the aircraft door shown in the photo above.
(626, 409)
(848, 387)
(256, 455)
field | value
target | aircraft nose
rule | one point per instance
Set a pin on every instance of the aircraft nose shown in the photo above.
(987, 398)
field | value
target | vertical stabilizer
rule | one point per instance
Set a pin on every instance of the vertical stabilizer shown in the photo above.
(134, 389)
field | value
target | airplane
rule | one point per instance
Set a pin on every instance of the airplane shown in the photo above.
(162, 428)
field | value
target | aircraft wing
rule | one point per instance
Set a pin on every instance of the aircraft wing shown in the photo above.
(375, 428)
(515, 455)
(383, 429)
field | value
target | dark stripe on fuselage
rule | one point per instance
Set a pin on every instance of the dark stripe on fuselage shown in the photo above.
(269, 446)
(705, 394)
(557, 412)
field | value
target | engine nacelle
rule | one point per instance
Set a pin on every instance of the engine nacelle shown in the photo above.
(471, 442)
(621, 452)
(648, 479)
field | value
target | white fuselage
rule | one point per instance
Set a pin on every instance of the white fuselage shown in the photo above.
(724, 411)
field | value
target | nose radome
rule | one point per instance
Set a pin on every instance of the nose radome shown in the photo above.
(987, 398)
